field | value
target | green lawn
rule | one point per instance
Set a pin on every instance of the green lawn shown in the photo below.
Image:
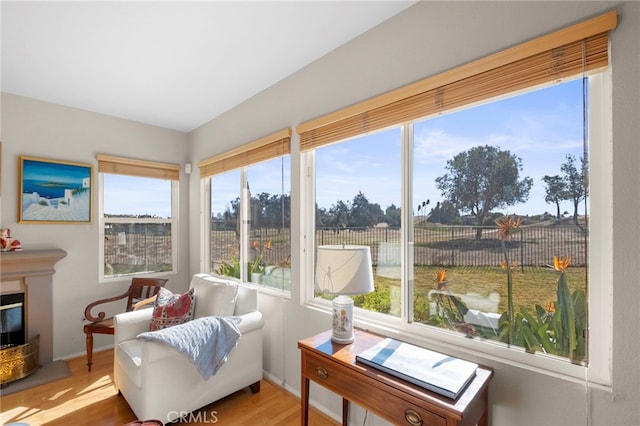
(530, 287)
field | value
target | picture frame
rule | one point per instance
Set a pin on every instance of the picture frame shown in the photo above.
(53, 191)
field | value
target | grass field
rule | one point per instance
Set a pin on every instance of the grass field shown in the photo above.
(534, 286)
(531, 287)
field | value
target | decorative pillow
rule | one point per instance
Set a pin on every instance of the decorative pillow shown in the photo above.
(216, 296)
(172, 309)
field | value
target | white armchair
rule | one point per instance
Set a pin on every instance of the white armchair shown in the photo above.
(160, 383)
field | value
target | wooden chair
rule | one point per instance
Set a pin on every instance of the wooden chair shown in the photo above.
(140, 290)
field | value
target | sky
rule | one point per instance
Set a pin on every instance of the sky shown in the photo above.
(152, 196)
(539, 127)
(262, 177)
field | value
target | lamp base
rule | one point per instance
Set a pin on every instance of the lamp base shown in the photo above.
(340, 341)
(343, 320)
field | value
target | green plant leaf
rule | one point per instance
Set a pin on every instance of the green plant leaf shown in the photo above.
(567, 317)
(530, 339)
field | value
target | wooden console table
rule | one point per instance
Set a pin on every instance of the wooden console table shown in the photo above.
(334, 366)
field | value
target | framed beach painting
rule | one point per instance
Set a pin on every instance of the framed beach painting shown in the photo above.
(54, 191)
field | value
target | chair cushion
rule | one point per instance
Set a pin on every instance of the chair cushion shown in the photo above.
(216, 296)
(172, 309)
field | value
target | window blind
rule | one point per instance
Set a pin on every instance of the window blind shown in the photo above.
(583, 47)
(140, 168)
(266, 148)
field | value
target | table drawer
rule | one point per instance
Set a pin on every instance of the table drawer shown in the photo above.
(410, 414)
(351, 385)
(329, 374)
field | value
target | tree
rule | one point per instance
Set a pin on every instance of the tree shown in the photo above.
(258, 204)
(322, 217)
(231, 216)
(276, 211)
(575, 182)
(339, 214)
(392, 216)
(363, 213)
(444, 213)
(481, 179)
(555, 191)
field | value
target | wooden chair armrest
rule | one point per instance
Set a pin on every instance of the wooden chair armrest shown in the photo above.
(101, 315)
(144, 302)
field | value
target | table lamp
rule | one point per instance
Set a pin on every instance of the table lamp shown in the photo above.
(343, 270)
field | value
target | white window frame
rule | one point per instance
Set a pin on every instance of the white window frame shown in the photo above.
(598, 372)
(173, 220)
(205, 221)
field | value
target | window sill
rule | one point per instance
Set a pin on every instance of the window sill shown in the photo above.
(483, 352)
(125, 277)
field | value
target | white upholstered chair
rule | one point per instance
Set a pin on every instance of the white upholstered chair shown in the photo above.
(160, 383)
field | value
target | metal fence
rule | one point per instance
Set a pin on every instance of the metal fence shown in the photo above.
(150, 244)
(137, 245)
(437, 245)
(271, 245)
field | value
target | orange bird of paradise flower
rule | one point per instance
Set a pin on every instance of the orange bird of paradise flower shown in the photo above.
(550, 307)
(561, 263)
(512, 265)
(441, 279)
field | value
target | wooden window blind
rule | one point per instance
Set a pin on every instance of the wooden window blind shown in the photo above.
(266, 148)
(579, 48)
(140, 168)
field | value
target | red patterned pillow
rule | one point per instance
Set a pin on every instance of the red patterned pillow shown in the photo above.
(172, 309)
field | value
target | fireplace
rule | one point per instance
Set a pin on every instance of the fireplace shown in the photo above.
(26, 311)
(13, 330)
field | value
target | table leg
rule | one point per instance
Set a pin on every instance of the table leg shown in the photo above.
(304, 399)
(345, 412)
(89, 349)
(484, 418)
(482, 421)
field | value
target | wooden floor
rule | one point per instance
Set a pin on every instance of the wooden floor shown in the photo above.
(91, 399)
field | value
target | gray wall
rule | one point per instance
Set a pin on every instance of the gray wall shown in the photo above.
(425, 39)
(40, 129)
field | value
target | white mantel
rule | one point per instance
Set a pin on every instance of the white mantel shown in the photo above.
(33, 271)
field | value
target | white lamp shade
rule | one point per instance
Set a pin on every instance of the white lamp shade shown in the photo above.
(344, 269)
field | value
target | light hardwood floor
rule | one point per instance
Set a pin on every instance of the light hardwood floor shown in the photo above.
(91, 399)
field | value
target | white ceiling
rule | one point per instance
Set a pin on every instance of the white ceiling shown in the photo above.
(170, 64)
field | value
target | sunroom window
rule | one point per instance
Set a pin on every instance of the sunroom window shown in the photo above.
(358, 197)
(249, 227)
(492, 163)
(500, 192)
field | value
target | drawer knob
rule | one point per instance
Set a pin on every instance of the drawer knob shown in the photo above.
(413, 417)
(322, 372)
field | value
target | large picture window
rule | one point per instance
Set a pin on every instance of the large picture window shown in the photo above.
(494, 241)
(500, 190)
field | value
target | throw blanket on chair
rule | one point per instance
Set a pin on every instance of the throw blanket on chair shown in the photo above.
(206, 341)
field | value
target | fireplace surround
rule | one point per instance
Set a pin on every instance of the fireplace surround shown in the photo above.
(26, 282)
